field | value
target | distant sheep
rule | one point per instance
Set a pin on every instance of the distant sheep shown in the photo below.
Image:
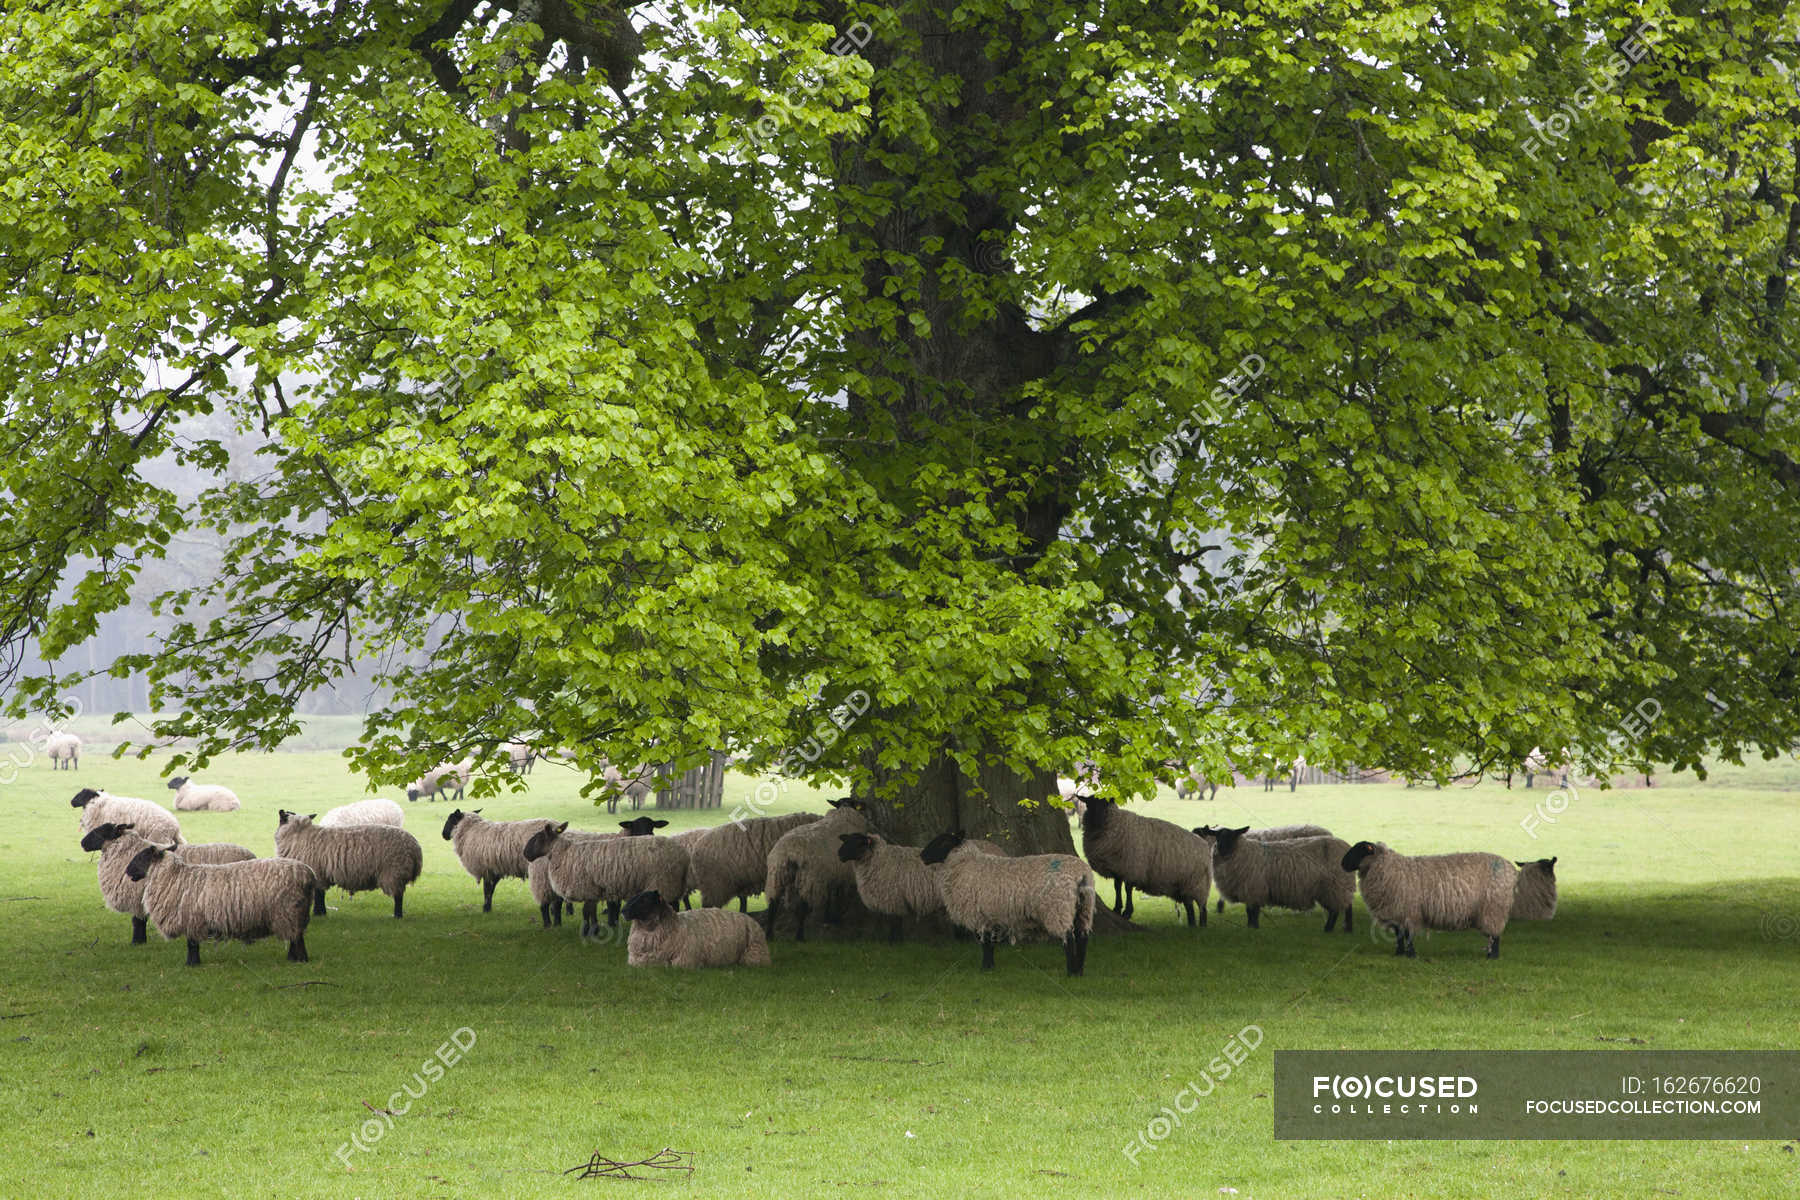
(445, 777)
(64, 749)
(357, 858)
(519, 756)
(732, 860)
(637, 786)
(1152, 855)
(1435, 891)
(1534, 896)
(804, 869)
(150, 821)
(997, 897)
(202, 797)
(118, 845)
(376, 811)
(242, 900)
(491, 850)
(1294, 873)
(710, 937)
(891, 879)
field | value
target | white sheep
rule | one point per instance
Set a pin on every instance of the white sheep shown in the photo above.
(804, 868)
(151, 821)
(445, 777)
(357, 858)
(1436, 891)
(202, 797)
(242, 900)
(64, 749)
(118, 845)
(377, 810)
(996, 897)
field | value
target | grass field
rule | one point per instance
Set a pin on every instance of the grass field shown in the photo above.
(861, 1068)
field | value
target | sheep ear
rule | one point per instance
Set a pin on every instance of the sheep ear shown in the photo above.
(560, 828)
(658, 824)
(1553, 860)
(473, 811)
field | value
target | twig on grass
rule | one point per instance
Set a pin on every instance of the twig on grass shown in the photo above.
(11, 899)
(386, 1112)
(911, 1062)
(602, 1167)
(10, 1016)
(308, 983)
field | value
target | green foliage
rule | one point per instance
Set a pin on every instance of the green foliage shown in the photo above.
(673, 404)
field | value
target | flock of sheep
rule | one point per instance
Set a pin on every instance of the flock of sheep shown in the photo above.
(801, 862)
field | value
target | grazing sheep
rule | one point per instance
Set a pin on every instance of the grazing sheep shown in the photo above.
(1434, 891)
(711, 937)
(357, 858)
(1292, 873)
(733, 859)
(1274, 833)
(491, 850)
(445, 777)
(996, 897)
(519, 756)
(1534, 896)
(1149, 854)
(1192, 783)
(376, 811)
(804, 868)
(242, 900)
(634, 787)
(202, 797)
(118, 845)
(891, 879)
(613, 869)
(150, 821)
(64, 749)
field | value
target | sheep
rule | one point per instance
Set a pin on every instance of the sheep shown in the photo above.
(687, 839)
(1436, 891)
(376, 811)
(357, 858)
(491, 850)
(1534, 896)
(1285, 873)
(711, 937)
(803, 866)
(1192, 783)
(444, 777)
(891, 879)
(634, 787)
(1149, 854)
(613, 869)
(242, 900)
(64, 749)
(537, 877)
(995, 896)
(733, 859)
(202, 797)
(1274, 833)
(151, 821)
(118, 845)
(519, 756)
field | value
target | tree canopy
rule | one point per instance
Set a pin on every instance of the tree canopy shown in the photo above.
(1070, 380)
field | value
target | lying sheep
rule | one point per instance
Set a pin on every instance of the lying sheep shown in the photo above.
(1275, 833)
(202, 797)
(711, 937)
(118, 845)
(357, 858)
(613, 869)
(891, 879)
(445, 777)
(242, 900)
(1294, 873)
(733, 859)
(64, 749)
(152, 822)
(1146, 853)
(491, 850)
(1534, 896)
(1435, 891)
(376, 811)
(804, 868)
(997, 897)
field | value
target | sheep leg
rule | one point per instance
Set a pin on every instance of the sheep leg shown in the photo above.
(590, 920)
(743, 903)
(297, 949)
(1412, 948)
(894, 931)
(1399, 941)
(987, 950)
(1188, 907)
(1494, 946)
(1081, 954)
(487, 893)
(139, 931)
(769, 915)
(1069, 952)
(1221, 907)
(544, 912)
(319, 901)
(399, 898)
(801, 908)
(1331, 915)
(612, 915)
(568, 908)
(193, 958)
(1202, 913)
(1349, 917)
(1255, 912)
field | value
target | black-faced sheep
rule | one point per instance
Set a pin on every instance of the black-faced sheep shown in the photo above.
(1149, 854)
(357, 858)
(1434, 891)
(997, 897)
(242, 900)
(708, 937)
(1294, 873)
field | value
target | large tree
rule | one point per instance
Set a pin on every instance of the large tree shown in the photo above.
(934, 395)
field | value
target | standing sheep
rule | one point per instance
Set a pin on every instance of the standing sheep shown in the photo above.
(1534, 896)
(804, 868)
(519, 756)
(242, 900)
(999, 897)
(891, 879)
(1434, 891)
(733, 859)
(152, 822)
(375, 811)
(1294, 873)
(491, 850)
(636, 786)
(711, 937)
(1149, 854)
(1274, 833)
(687, 839)
(445, 777)
(613, 869)
(537, 878)
(64, 749)
(357, 858)
(202, 797)
(118, 845)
